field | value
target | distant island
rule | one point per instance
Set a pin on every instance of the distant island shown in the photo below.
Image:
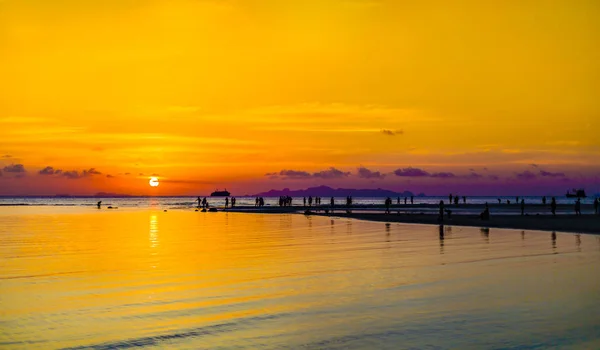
(325, 191)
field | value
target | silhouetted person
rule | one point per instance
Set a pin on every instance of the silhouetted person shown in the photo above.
(596, 205)
(405, 200)
(226, 202)
(544, 200)
(199, 202)
(499, 201)
(485, 215)
(553, 206)
(310, 199)
(332, 204)
(450, 198)
(455, 200)
(99, 204)
(464, 200)
(578, 206)
(388, 202)
(508, 201)
(412, 200)
(304, 200)
(398, 202)
(441, 216)
(522, 207)
(517, 201)
(233, 202)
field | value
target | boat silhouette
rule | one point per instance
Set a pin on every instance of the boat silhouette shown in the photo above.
(218, 193)
(577, 193)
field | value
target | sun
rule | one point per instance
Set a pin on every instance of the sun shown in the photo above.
(153, 181)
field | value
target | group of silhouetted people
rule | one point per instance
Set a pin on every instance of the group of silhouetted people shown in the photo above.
(456, 199)
(202, 202)
(259, 202)
(317, 201)
(285, 201)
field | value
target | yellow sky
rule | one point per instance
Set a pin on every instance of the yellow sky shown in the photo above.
(215, 93)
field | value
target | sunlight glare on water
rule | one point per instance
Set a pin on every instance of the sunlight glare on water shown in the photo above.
(182, 279)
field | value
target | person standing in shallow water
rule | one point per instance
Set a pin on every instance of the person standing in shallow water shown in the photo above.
(332, 204)
(596, 205)
(441, 216)
(553, 206)
(99, 204)
(522, 207)
(578, 206)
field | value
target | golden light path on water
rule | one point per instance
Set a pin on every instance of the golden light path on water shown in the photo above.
(82, 277)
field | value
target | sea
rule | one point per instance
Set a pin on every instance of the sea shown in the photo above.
(74, 277)
(182, 202)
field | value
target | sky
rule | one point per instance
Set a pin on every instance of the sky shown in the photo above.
(469, 97)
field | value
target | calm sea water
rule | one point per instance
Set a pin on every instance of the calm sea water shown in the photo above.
(179, 202)
(74, 277)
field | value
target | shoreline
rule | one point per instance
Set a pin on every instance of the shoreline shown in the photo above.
(586, 223)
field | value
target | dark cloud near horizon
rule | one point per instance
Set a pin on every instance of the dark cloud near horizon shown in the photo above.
(550, 174)
(473, 175)
(411, 172)
(494, 177)
(14, 168)
(109, 176)
(369, 174)
(534, 165)
(526, 175)
(331, 173)
(74, 174)
(443, 175)
(7, 156)
(49, 171)
(392, 132)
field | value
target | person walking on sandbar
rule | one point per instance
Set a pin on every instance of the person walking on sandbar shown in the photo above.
(99, 204)
(553, 206)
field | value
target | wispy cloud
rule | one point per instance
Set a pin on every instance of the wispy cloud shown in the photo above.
(368, 174)
(15, 168)
(411, 172)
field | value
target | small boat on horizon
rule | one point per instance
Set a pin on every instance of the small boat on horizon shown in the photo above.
(577, 193)
(218, 193)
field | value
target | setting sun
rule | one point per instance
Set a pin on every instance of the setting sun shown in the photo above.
(153, 181)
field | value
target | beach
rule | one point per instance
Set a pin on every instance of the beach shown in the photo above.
(83, 278)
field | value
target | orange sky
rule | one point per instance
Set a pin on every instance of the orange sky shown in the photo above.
(209, 94)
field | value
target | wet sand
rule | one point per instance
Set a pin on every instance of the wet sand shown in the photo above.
(508, 216)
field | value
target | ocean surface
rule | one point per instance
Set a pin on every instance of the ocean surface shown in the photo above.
(76, 277)
(179, 202)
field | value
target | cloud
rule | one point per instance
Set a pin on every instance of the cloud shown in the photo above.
(7, 156)
(14, 168)
(127, 174)
(109, 176)
(534, 165)
(443, 175)
(473, 175)
(526, 175)
(549, 174)
(74, 174)
(392, 132)
(332, 173)
(494, 177)
(368, 174)
(295, 174)
(411, 172)
(49, 171)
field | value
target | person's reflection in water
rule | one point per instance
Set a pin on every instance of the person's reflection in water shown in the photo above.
(387, 231)
(485, 232)
(578, 242)
(441, 239)
(523, 235)
(554, 241)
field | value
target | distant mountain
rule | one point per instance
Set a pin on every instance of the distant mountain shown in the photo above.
(325, 191)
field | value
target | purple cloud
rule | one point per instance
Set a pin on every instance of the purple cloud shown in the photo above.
(295, 174)
(549, 174)
(443, 175)
(494, 177)
(332, 173)
(71, 174)
(473, 175)
(526, 175)
(49, 171)
(74, 174)
(368, 174)
(411, 172)
(14, 168)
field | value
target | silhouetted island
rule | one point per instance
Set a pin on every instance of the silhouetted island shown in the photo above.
(326, 191)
